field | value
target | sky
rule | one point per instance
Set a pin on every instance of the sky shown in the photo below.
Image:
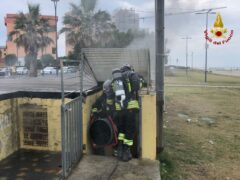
(176, 26)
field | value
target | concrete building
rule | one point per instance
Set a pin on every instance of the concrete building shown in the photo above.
(126, 19)
(2, 55)
(11, 47)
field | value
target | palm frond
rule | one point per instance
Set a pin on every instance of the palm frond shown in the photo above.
(88, 5)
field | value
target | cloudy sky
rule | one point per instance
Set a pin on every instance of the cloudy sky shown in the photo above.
(177, 26)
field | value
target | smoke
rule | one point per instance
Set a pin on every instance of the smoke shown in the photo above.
(177, 26)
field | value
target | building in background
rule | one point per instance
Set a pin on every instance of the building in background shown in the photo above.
(11, 47)
(126, 19)
(2, 55)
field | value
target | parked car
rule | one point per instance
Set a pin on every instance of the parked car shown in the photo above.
(69, 69)
(49, 70)
(72, 69)
(21, 70)
(2, 72)
(65, 69)
(6, 71)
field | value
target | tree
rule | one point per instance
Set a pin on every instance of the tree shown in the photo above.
(30, 33)
(86, 28)
(47, 59)
(10, 59)
(121, 39)
(28, 59)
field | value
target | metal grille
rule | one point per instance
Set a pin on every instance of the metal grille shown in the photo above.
(71, 120)
(71, 135)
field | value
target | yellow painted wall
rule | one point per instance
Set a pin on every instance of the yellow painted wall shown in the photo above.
(87, 107)
(11, 124)
(149, 134)
(9, 137)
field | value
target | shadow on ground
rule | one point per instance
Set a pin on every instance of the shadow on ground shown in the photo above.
(28, 165)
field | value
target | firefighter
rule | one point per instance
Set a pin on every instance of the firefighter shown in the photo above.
(103, 107)
(106, 107)
(132, 84)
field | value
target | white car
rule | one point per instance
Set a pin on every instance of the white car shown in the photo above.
(49, 70)
(69, 69)
(21, 70)
(65, 69)
(3, 71)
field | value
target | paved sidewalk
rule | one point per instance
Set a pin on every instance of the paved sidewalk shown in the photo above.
(109, 168)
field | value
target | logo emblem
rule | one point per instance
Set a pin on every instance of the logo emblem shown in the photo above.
(219, 34)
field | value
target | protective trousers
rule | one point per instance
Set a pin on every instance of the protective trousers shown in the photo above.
(126, 126)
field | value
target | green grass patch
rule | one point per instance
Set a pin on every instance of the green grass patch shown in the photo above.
(208, 146)
(167, 167)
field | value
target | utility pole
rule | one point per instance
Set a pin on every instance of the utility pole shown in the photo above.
(187, 38)
(208, 11)
(56, 36)
(160, 61)
(192, 60)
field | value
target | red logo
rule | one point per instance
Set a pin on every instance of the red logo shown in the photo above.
(219, 34)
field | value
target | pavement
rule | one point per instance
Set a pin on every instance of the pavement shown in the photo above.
(47, 83)
(31, 165)
(109, 168)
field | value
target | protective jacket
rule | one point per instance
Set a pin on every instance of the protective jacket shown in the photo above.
(105, 106)
(132, 83)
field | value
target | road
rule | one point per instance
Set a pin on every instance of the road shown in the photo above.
(201, 85)
(228, 73)
(47, 83)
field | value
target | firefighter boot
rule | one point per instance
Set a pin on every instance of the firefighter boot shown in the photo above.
(127, 156)
(120, 150)
(115, 152)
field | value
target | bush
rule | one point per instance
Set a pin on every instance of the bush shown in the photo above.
(47, 59)
(10, 59)
(39, 65)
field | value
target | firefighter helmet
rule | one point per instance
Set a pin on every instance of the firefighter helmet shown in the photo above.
(107, 86)
(127, 67)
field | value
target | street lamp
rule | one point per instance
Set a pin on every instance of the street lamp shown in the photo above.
(187, 38)
(206, 43)
(55, 8)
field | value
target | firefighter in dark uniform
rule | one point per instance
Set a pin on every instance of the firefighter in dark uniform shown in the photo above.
(132, 84)
(106, 106)
(103, 107)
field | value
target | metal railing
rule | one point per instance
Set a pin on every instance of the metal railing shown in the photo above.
(71, 112)
(71, 135)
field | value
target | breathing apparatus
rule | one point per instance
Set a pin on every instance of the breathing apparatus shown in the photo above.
(118, 86)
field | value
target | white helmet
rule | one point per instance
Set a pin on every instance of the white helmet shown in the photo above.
(127, 67)
(107, 86)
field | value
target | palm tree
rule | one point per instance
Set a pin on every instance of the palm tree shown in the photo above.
(86, 28)
(30, 33)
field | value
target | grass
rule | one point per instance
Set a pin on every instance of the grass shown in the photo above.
(205, 142)
(197, 77)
